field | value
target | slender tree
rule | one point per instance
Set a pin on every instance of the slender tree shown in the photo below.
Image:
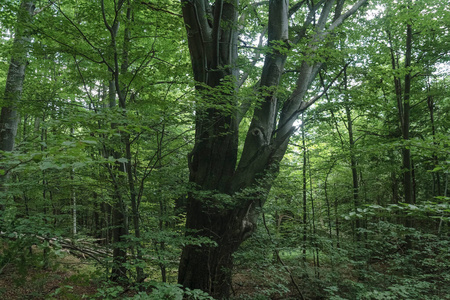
(9, 118)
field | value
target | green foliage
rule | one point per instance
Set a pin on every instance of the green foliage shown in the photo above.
(70, 163)
(159, 290)
(172, 292)
(110, 292)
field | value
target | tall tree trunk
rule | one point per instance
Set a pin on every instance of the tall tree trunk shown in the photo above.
(304, 195)
(213, 49)
(435, 159)
(119, 218)
(120, 229)
(9, 118)
(45, 191)
(127, 141)
(336, 218)
(403, 105)
(119, 68)
(406, 152)
(224, 207)
(74, 205)
(313, 224)
(327, 201)
(353, 162)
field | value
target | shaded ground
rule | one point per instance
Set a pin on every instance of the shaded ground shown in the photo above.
(247, 285)
(62, 282)
(72, 278)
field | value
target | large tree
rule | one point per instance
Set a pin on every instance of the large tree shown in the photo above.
(230, 186)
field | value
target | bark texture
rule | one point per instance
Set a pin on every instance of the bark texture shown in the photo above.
(224, 205)
(9, 117)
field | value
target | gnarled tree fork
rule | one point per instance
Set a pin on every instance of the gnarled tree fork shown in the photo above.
(229, 192)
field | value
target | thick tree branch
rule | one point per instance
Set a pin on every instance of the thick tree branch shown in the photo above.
(347, 14)
(284, 127)
(38, 11)
(216, 34)
(309, 19)
(309, 71)
(255, 59)
(198, 34)
(311, 101)
(294, 8)
(257, 147)
(153, 7)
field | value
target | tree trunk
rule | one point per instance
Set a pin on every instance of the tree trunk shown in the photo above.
(406, 152)
(336, 218)
(436, 175)
(403, 105)
(304, 195)
(123, 177)
(208, 267)
(120, 229)
(224, 206)
(353, 162)
(9, 118)
(119, 216)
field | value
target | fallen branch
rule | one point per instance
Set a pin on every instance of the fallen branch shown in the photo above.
(80, 248)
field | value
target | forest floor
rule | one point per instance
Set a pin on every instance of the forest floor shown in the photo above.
(70, 277)
(64, 280)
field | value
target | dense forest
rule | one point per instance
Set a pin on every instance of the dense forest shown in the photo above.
(225, 149)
